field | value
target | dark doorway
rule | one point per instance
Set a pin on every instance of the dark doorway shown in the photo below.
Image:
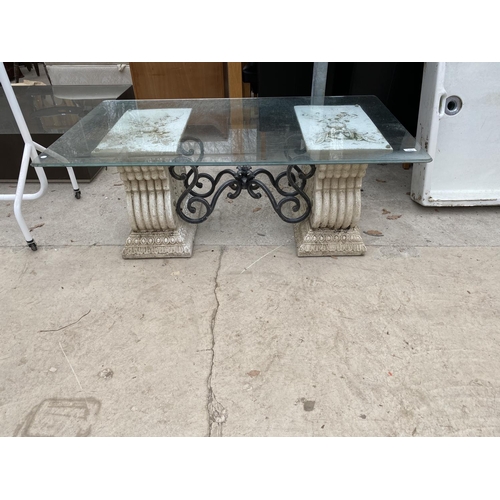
(396, 84)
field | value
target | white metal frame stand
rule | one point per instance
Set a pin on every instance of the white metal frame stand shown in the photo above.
(30, 153)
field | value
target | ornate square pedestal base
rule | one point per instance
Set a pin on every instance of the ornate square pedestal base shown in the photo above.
(160, 244)
(332, 228)
(157, 231)
(326, 242)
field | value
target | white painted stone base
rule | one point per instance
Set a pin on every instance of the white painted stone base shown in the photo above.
(327, 242)
(157, 231)
(331, 229)
(161, 244)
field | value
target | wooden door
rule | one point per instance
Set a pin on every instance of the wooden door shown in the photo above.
(181, 80)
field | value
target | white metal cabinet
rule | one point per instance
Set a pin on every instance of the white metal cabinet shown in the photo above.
(459, 125)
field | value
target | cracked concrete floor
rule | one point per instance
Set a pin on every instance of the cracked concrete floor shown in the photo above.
(403, 341)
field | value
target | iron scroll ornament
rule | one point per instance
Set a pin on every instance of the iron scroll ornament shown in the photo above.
(244, 178)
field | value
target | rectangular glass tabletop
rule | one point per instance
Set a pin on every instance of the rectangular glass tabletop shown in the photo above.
(230, 132)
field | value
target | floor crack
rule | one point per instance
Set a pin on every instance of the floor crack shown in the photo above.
(217, 414)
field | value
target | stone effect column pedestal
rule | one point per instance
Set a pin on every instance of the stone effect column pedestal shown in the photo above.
(331, 229)
(157, 231)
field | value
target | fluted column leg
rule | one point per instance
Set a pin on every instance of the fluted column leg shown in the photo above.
(157, 232)
(331, 229)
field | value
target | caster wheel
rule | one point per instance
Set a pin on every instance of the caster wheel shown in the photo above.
(78, 194)
(33, 246)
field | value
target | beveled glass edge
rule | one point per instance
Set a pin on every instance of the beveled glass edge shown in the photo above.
(421, 158)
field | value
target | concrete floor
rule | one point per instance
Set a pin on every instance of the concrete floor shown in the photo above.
(403, 341)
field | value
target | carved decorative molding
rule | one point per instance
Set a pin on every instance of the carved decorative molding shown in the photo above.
(323, 242)
(331, 229)
(159, 244)
(157, 231)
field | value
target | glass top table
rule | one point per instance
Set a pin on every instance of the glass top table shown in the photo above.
(256, 131)
(308, 157)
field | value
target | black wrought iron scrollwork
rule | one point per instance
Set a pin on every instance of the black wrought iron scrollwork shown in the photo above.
(244, 178)
(296, 180)
(200, 186)
(191, 143)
